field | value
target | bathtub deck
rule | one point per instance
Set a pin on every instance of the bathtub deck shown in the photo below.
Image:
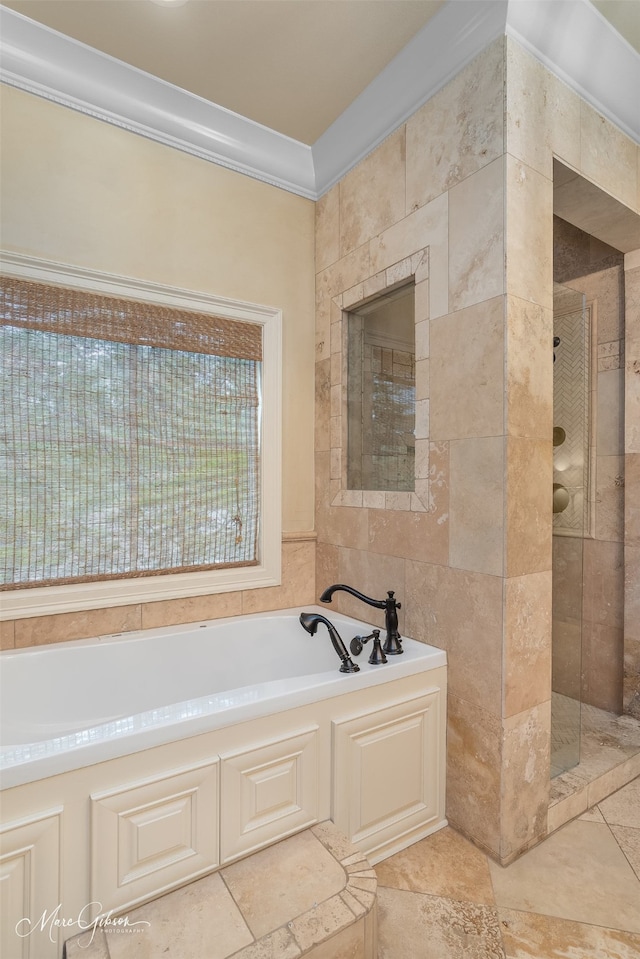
(313, 894)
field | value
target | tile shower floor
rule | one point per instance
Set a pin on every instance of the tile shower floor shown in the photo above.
(576, 895)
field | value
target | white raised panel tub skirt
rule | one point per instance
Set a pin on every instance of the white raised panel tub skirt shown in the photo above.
(133, 764)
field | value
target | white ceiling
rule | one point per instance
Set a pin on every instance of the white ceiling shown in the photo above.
(291, 65)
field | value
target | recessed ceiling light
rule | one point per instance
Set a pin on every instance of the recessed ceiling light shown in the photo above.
(169, 3)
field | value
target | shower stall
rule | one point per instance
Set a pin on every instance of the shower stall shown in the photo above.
(572, 419)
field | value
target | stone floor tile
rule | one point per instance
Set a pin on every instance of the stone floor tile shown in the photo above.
(198, 920)
(629, 841)
(529, 936)
(592, 815)
(578, 873)
(283, 881)
(443, 864)
(414, 926)
(623, 807)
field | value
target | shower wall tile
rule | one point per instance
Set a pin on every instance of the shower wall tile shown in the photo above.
(466, 375)
(474, 768)
(372, 195)
(476, 237)
(567, 578)
(328, 228)
(603, 601)
(458, 131)
(477, 504)
(62, 627)
(526, 783)
(566, 652)
(529, 247)
(632, 499)
(460, 612)
(528, 516)
(607, 156)
(602, 666)
(542, 113)
(607, 288)
(529, 388)
(527, 642)
(610, 485)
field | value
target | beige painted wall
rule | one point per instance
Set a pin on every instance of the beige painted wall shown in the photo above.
(83, 192)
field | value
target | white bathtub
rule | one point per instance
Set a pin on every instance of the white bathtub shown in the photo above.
(133, 764)
(74, 704)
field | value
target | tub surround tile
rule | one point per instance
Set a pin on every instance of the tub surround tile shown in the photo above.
(423, 535)
(476, 237)
(461, 612)
(578, 873)
(466, 375)
(7, 634)
(458, 131)
(191, 610)
(62, 627)
(530, 936)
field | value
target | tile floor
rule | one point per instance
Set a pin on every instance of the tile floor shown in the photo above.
(575, 896)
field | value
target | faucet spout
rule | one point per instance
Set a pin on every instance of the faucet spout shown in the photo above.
(390, 605)
(310, 621)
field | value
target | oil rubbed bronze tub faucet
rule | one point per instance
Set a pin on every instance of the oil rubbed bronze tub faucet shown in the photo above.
(310, 622)
(392, 645)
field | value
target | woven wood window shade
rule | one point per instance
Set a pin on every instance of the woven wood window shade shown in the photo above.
(130, 438)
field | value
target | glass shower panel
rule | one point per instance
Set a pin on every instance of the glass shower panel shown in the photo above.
(571, 428)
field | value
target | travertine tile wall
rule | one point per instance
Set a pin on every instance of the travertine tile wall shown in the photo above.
(462, 194)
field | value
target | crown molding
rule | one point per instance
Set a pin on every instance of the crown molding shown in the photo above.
(47, 63)
(563, 35)
(576, 43)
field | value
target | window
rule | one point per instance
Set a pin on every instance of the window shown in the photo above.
(133, 445)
